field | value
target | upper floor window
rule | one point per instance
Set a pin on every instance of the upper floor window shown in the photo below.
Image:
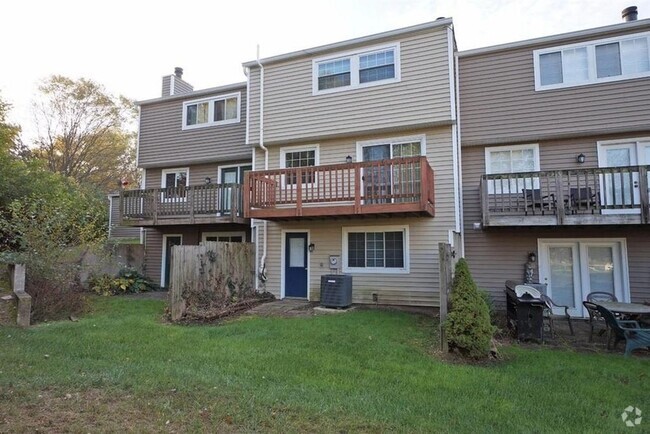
(512, 159)
(378, 65)
(175, 183)
(219, 110)
(299, 156)
(599, 61)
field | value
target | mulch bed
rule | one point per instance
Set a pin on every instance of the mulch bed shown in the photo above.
(217, 314)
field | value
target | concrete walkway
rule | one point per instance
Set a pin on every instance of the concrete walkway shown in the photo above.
(286, 307)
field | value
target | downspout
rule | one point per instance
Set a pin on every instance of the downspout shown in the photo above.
(456, 150)
(266, 159)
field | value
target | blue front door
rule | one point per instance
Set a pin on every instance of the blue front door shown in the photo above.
(295, 265)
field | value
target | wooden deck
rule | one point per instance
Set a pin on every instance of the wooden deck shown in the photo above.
(400, 186)
(601, 196)
(204, 204)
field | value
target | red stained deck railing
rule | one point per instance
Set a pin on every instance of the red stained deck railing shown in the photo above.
(399, 185)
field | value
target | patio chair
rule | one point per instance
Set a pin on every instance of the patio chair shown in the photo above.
(533, 198)
(548, 313)
(594, 318)
(593, 297)
(628, 330)
(583, 198)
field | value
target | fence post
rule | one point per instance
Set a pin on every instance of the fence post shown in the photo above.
(444, 255)
(175, 289)
(17, 276)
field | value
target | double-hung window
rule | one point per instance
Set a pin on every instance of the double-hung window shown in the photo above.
(299, 156)
(219, 110)
(175, 183)
(382, 249)
(598, 61)
(377, 65)
(507, 160)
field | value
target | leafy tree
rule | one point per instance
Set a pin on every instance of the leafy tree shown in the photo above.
(468, 324)
(83, 132)
(9, 134)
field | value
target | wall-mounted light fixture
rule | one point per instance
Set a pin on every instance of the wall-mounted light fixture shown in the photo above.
(532, 257)
(348, 159)
(581, 158)
(208, 180)
(312, 247)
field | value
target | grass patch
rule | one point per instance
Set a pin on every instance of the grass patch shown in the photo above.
(123, 368)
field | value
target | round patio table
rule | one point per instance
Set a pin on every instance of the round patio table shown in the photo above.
(625, 308)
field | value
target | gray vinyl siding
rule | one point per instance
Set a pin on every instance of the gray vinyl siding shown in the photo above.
(166, 85)
(498, 254)
(198, 172)
(181, 86)
(499, 104)
(116, 232)
(418, 288)
(420, 99)
(163, 142)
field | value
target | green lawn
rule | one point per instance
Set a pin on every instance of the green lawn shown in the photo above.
(122, 368)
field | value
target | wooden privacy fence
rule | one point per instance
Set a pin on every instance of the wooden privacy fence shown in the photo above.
(210, 276)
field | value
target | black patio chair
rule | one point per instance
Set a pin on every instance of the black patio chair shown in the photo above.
(627, 330)
(533, 199)
(582, 198)
(548, 313)
(594, 318)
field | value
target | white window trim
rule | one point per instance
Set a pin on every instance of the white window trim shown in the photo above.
(210, 101)
(230, 166)
(163, 177)
(286, 149)
(375, 270)
(591, 61)
(241, 234)
(163, 264)
(488, 160)
(354, 68)
(392, 141)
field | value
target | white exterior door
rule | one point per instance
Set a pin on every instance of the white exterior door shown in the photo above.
(622, 189)
(574, 268)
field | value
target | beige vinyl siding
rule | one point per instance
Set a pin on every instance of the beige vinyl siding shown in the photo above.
(421, 98)
(163, 142)
(116, 232)
(499, 104)
(420, 286)
(198, 172)
(498, 254)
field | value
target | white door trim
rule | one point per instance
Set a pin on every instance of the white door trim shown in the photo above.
(579, 242)
(164, 256)
(282, 258)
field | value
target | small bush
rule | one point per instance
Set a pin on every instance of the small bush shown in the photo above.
(468, 324)
(128, 281)
(51, 302)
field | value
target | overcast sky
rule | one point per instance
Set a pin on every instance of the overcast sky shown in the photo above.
(129, 45)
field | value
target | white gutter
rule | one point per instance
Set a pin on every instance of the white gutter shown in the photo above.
(453, 100)
(266, 157)
(459, 167)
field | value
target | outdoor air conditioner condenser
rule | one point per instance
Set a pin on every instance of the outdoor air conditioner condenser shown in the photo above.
(336, 290)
